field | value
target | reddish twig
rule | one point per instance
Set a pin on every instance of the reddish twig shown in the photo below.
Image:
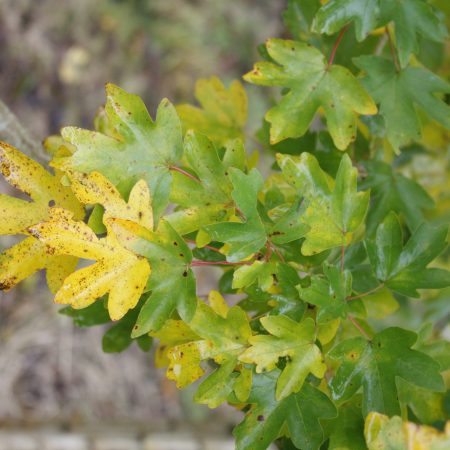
(358, 327)
(336, 44)
(391, 46)
(370, 291)
(197, 263)
(187, 174)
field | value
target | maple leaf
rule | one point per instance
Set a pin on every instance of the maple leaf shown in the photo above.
(334, 209)
(335, 14)
(289, 339)
(249, 236)
(139, 148)
(205, 197)
(312, 84)
(117, 271)
(391, 191)
(223, 333)
(376, 364)
(223, 111)
(268, 418)
(402, 95)
(172, 283)
(45, 191)
(404, 269)
(329, 293)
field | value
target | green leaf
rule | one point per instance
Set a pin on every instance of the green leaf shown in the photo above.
(140, 149)
(172, 283)
(334, 210)
(401, 95)
(223, 111)
(404, 269)
(213, 186)
(312, 85)
(95, 314)
(205, 197)
(299, 15)
(267, 417)
(347, 430)
(412, 18)
(392, 191)
(291, 340)
(249, 236)
(329, 293)
(335, 14)
(374, 365)
(215, 389)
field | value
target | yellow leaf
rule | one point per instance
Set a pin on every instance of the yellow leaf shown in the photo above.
(46, 191)
(117, 271)
(96, 188)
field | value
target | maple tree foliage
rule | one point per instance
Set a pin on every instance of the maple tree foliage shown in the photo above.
(326, 327)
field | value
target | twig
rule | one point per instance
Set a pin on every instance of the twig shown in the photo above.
(187, 174)
(197, 263)
(336, 44)
(370, 291)
(358, 327)
(391, 46)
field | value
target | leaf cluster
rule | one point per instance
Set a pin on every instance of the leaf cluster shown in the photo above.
(309, 331)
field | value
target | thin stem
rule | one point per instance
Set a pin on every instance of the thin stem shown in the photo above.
(187, 174)
(197, 263)
(342, 257)
(391, 46)
(370, 291)
(336, 44)
(269, 251)
(278, 253)
(358, 327)
(214, 249)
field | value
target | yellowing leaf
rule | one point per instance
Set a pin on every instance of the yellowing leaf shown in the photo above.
(223, 113)
(221, 339)
(174, 332)
(117, 271)
(384, 433)
(97, 189)
(45, 189)
(288, 339)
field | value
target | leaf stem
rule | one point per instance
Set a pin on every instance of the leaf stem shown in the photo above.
(391, 46)
(197, 263)
(342, 257)
(358, 327)
(370, 291)
(187, 174)
(214, 249)
(336, 44)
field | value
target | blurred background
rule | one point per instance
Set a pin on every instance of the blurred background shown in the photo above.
(55, 57)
